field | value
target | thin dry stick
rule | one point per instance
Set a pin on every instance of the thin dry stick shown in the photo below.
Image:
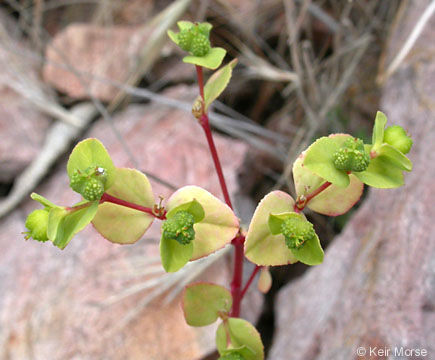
(409, 43)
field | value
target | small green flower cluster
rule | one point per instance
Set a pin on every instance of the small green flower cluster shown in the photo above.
(180, 227)
(90, 184)
(195, 39)
(297, 231)
(352, 156)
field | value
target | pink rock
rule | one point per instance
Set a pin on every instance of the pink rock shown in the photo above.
(95, 52)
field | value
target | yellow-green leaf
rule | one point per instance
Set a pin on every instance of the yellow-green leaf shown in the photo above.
(204, 302)
(219, 225)
(261, 247)
(120, 224)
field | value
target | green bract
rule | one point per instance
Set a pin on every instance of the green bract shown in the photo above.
(90, 169)
(203, 303)
(62, 223)
(319, 159)
(194, 38)
(243, 339)
(215, 226)
(351, 156)
(388, 162)
(261, 246)
(298, 235)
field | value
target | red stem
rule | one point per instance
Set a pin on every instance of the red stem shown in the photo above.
(236, 283)
(318, 190)
(206, 127)
(249, 282)
(300, 204)
(112, 199)
(200, 80)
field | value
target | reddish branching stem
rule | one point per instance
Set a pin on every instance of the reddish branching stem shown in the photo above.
(251, 278)
(114, 200)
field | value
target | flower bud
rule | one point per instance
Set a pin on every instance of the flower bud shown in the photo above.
(37, 223)
(297, 231)
(397, 137)
(351, 156)
(179, 227)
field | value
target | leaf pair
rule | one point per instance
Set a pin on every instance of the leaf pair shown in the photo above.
(388, 163)
(384, 169)
(215, 226)
(204, 303)
(64, 223)
(265, 244)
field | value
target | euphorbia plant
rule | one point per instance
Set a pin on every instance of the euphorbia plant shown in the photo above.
(329, 177)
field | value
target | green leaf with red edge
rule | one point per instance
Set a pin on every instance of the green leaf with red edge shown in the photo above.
(261, 246)
(333, 200)
(174, 255)
(218, 227)
(91, 153)
(212, 60)
(64, 224)
(319, 159)
(120, 224)
(244, 339)
(204, 302)
(193, 207)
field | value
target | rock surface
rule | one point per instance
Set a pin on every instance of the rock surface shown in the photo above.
(63, 304)
(81, 56)
(22, 127)
(376, 287)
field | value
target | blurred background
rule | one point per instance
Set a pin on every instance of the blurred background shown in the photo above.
(72, 69)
